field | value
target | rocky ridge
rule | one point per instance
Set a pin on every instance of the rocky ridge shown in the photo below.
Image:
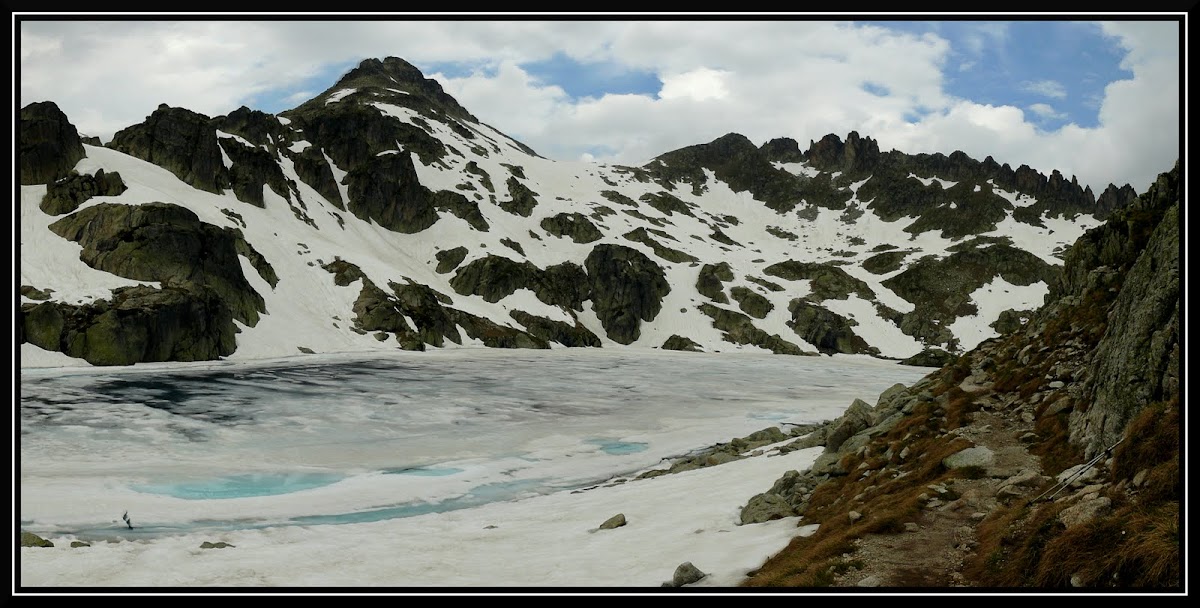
(627, 255)
(1017, 464)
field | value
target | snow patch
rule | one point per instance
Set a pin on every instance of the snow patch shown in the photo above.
(929, 180)
(990, 300)
(800, 169)
(338, 95)
(237, 138)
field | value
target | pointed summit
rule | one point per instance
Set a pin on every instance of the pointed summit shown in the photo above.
(389, 77)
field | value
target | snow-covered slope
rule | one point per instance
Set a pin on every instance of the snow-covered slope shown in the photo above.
(383, 182)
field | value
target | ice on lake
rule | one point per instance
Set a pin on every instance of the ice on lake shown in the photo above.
(338, 441)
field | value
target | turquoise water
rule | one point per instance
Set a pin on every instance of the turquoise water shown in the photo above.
(242, 486)
(520, 419)
(480, 495)
(617, 448)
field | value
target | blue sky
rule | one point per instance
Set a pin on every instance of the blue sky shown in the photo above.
(1055, 69)
(1100, 100)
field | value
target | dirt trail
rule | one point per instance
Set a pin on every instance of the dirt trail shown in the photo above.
(933, 554)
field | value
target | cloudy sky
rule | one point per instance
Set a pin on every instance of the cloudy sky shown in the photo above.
(1095, 99)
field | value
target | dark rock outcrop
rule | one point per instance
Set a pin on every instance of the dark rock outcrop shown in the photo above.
(616, 521)
(685, 574)
(828, 331)
(734, 160)
(521, 199)
(678, 342)
(496, 336)
(930, 357)
(164, 242)
(751, 303)
(551, 330)
(566, 285)
(1114, 198)
(49, 144)
(258, 128)
(827, 281)
(626, 288)
(856, 156)
(883, 263)
(641, 235)
(1010, 320)
(765, 507)
(941, 289)
(783, 150)
(33, 293)
(66, 195)
(251, 169)
(572, 225)
(1138, 359)
(739, 329)
(140, 324)
(180, 141)
(394, 72)
(353, 133)
(710, 282)
(385, 189)
(665, 203)
(449, 259)
(312, 169)
(494, 277)
(29, 539)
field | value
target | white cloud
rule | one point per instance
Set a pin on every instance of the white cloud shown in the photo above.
(699, 84)
(764, 79)
(1045, 110)
(1048, 88)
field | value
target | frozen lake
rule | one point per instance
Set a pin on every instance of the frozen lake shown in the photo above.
(329, 444)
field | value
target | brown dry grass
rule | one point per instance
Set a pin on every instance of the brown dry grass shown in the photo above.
(1132, 547)
(886, 505)
(1136, 545)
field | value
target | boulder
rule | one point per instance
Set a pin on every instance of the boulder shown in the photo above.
(29, 539)
(766, 507)
(67, 194)
(616, 521)
(678, 342)
(685, 574)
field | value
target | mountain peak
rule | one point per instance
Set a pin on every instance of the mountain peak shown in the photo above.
(382, 72)
(830, 154)
(395, 76)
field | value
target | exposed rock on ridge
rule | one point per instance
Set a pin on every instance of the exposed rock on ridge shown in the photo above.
(49, 144)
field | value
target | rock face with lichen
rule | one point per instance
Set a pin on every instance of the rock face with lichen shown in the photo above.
(67, 194)
(190, 318)
(626, 288)
(1068, 422)
(137, 325)
(181, 141)
(49, 144)
(166, 243)
(845, 247)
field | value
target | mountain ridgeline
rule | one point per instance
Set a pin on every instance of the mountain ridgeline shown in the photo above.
(1048, 457)
(381, 214)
